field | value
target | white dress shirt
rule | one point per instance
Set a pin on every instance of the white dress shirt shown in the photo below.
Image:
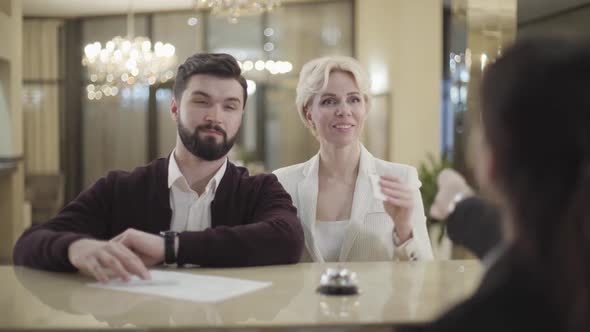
(190, 212)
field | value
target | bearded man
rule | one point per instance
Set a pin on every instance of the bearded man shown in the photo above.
(194, 207)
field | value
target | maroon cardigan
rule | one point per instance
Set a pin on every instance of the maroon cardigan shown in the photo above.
(253, 220)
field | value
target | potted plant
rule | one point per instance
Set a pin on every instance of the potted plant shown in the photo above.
(428, 173)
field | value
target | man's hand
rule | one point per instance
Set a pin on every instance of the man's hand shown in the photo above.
(399, 204)
(452, 188)
(102, 260)
(148, 247)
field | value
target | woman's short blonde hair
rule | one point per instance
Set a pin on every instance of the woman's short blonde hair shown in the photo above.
(314, 76)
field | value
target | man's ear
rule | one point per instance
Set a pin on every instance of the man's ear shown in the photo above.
(174, 110)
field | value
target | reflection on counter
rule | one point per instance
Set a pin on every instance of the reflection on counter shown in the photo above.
(390, 293)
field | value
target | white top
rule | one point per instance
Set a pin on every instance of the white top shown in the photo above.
(190, 212)
(330, 236)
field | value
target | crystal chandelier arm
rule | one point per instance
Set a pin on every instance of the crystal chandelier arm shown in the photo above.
(130, 22)
(234, 8)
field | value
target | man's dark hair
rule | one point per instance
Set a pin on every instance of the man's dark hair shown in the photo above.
(215, 64)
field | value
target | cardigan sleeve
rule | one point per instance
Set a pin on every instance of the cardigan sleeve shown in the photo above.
(45, 246)
(273, 235)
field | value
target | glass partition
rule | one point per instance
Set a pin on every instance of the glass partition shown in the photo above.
(118, 131)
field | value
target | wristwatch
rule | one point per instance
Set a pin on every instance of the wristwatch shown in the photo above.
(169, 244)
(456, 199)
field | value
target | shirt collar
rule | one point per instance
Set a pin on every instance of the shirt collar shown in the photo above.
(174, 173)
(214, 182)
(176, 176)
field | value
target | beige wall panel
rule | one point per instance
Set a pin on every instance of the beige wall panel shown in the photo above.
(12, 185)
(400, 44)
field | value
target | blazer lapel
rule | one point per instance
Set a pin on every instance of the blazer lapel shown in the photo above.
(362, 201)
(307, 194)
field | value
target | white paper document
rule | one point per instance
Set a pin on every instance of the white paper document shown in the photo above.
(186, 286)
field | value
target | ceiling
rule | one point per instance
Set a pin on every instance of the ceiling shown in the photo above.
(532, 9)
(527, 9)
(76, 8)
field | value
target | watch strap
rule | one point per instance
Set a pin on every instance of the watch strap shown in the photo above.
(169, 244)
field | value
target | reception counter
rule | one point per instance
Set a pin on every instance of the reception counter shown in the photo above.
(391, 293)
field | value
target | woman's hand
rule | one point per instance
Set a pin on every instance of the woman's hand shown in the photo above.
(452, 188)
(399, 204)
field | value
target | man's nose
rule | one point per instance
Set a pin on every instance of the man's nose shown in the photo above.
(213, 113)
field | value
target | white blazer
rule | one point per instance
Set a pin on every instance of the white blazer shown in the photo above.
(370, 235)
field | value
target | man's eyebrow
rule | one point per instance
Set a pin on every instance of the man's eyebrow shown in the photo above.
(200, 93)
(233, 99)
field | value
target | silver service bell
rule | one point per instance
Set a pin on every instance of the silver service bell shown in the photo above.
(338, 281)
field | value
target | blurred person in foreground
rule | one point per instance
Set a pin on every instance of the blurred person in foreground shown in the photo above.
(353, 206)
(536, 163)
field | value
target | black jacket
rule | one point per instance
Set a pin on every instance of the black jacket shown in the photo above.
(475, 225)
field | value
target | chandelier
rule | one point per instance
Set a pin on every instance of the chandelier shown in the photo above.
(124, 62)
(235, 8)
(270, 66)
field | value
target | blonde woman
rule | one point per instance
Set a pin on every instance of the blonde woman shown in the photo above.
(336, 198)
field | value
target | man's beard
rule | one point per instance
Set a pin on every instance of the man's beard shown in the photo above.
(205, 148)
